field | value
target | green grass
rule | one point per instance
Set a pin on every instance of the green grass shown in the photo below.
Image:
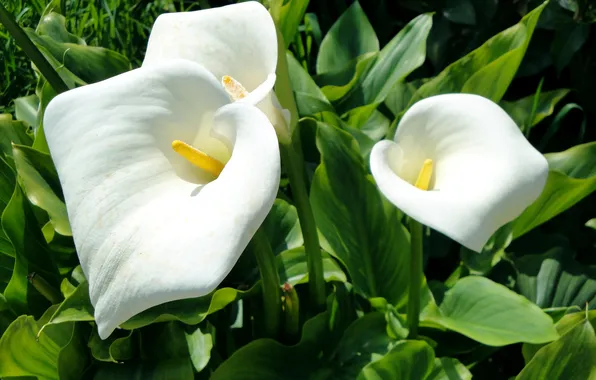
(120, 25)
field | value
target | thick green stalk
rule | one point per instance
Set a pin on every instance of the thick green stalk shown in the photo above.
(293, 160)
(294, 163)
(32, 51)
(415, 278)
(43, 287)
(270, 282)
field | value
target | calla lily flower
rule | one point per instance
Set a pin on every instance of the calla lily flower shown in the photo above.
(165, 182)
(237, 43)
(460, 165)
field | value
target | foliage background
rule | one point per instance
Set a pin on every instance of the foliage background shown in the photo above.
(561, 55)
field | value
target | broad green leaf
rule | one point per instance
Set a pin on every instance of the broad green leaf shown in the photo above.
(412, 359)
(164, 355)
(41, 184)
(369, 121)
(291, 16)
(282, 227)
(293, 267)
(31, 255)
(266, 359)
(189, 311)
(117, 347)
(57, 353)
(521, 109)
(402, 55)
(449, 369)
(555, 279)
(363, 342)
(77, 307)
(571, 178)
(488, 70)
(351, 36)
(200, 341)
(336, 85)
(491, 314)
(373, 246)
(400, 95)
(26, 109)
(309, 97)
(571, 357)
(90, 64)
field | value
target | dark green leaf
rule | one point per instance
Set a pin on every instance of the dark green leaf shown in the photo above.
(309, 97)
(26, 109)
(521, 110)
(348, 208)
(413, 359)
(31, 255)
(351, 36)
(555, 279)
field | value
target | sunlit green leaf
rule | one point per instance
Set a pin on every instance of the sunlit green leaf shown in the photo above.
(293, 268)
(309, 97)
(572, 177)
(488, 70)
(291, 16)
(282, 227)
(491, 314)
(571, 357)
(57, 353)
(449, 369)
(41, 184)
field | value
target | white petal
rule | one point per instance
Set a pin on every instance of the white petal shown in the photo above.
(147, 228)
(485, 171)
(237, 40)
(266, 100)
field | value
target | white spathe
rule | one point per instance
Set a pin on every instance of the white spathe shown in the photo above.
(485, 171)
(238, 40)
(149, 227)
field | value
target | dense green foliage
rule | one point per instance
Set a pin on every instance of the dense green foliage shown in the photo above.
(522, 307)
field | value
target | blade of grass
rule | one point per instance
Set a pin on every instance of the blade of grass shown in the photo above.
(32, 51)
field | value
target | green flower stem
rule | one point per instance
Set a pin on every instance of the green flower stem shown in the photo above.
(32, 51)
(291, 154)
(294, 164)
(43, 287)
(415, 278)
(269, 282)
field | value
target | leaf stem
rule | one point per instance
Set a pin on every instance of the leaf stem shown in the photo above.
(415, 278)
(269, 282)
(32, 51)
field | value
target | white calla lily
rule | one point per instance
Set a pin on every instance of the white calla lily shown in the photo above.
(481, 171)
(149, 226)
(237, 43)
